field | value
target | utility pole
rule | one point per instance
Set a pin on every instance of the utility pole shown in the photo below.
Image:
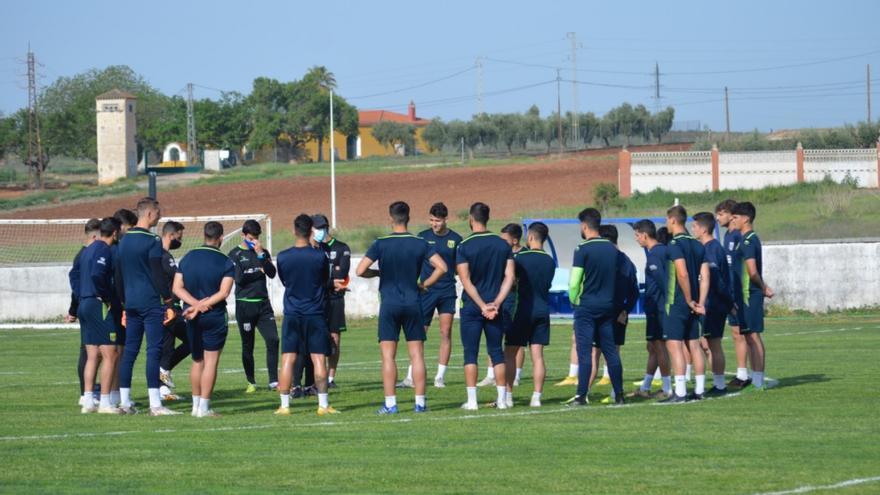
(479, 64)
(868, 83)
(192, 153)
(558, 111)
(574, 88)
(656, 87)
(35, 160)
(726, 116)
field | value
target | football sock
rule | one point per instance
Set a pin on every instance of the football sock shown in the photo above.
(718, 382)
(420, 400)
(125, 396)
(667, 385)
(285, 400)
(536, 396)
(390, 401)
(687, 373)
(572, 370)
(490, 373)
(700, 386)
(114, 397)
(330, 378)
(196, 401)
(742, 374)
(646, 382)
(518, 373)
(204, 405)
(757, 379)
(502, 393)
(409, 373)
(105, 401)
(323, 402)
(604, 371)
(471, 395)
(680, 386)
(657, 374)
(155, 398)
(441, 370)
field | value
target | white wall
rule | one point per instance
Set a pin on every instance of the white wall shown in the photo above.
(679, 171)
(691, 171)
(754, 170)
(813, 277)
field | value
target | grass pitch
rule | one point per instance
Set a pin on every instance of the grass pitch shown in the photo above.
(818, 427)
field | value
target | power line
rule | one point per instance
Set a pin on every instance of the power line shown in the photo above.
(776, 67)
(416, 86)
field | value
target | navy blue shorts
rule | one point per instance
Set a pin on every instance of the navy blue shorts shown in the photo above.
(528, 330)
(653, 326)
(733, 320)
(506, 316)
(96, 323)
(473, 325)
(681, 324)
(713, 324)
(301, 334)
(392, 318)
(207, 332)
(435, 301)
(752, 314)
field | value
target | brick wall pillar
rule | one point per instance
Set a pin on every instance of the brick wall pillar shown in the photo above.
(624, 173)
(716, 168)
(800, 162)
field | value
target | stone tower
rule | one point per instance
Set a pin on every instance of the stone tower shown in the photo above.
(117, 151)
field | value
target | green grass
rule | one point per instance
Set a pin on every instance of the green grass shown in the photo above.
(817, 427)
(815, 210)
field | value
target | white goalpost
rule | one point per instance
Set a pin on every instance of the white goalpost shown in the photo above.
(36, 256)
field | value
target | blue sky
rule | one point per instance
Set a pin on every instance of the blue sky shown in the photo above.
(392, 48)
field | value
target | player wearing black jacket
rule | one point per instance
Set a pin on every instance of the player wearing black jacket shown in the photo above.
(253, 310)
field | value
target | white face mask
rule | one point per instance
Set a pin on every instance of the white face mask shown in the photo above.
(320, 235)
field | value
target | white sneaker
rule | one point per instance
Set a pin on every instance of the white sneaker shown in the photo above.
(162, 411)
(110, 410)
(467, 406)
(129, 409)
(195, 412)
(405, 383)
(165, 377)
(516, 382)
(501, 405)
(485, 382)
(88, 409)
(535, 403)
(207, 414)
(439, 382)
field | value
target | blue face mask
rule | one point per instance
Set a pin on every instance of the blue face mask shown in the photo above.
(320, 235)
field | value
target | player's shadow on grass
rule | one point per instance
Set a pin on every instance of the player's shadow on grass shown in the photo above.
(794, 381)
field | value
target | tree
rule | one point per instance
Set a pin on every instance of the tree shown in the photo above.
(457, 132)
(661, 122)
(436, 135)
(509, 127)
(531, 127)
(392, 134)
(7, 135)
(588, 126)
(607, 128)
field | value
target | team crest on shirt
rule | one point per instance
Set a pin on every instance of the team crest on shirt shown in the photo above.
(450, 244)
(652, 267)
(332, 255)
(747, 242)
(673, 241)
(101, 261)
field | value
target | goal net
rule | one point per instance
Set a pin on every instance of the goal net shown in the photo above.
(36, 256)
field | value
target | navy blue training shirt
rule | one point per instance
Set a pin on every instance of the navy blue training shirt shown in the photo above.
(720, 298)
(304, 274)
(446, 246)
(401, 256)
(750, 248)
(655, 279)
(135, 251)
(534, 276)
(203, 269)
(626, 286)
(509, 303)
(486, 255)
(731, 241)
(683, 246)
(96, 272)
(598, 259)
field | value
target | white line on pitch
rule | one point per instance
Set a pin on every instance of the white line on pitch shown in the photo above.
(836, 486)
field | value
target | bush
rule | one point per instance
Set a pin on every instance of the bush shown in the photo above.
(606, 195)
